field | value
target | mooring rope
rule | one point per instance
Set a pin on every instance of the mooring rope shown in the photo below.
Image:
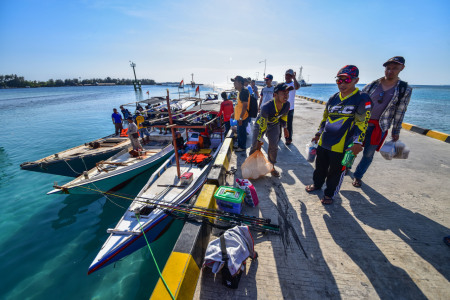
(154, 259)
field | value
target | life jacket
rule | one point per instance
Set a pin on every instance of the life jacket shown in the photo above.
(124, 132)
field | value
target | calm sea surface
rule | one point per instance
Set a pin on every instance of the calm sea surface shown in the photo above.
(428, 108)
(48, 242)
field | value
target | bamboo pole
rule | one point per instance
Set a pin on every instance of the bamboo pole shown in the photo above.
(173, 135)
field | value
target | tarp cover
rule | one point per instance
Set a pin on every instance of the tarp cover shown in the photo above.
(240, 246)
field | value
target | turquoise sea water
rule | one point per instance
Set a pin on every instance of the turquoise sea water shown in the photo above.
(48, 242)
(428, 107)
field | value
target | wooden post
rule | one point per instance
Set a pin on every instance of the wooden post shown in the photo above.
(173, 135)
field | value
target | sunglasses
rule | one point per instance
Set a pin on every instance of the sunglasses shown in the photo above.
(381, 97)
(346, 80)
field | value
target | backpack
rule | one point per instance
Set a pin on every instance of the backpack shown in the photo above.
(401, 90)
(253, 107)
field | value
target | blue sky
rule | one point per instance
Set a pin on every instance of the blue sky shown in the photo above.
(215, 40)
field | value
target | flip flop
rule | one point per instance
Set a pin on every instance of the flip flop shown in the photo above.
(357, 182)
(447, 240)
(326, 200)
(311, 188)
(275, 173)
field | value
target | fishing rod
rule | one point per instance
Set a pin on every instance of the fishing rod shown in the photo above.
(212, 212)
(199, 212)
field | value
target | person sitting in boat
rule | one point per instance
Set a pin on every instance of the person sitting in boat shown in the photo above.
(179, 142)
(143, 132)
(133, 134)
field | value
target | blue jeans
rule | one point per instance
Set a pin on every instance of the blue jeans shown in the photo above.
(368, 153)
(242, 134)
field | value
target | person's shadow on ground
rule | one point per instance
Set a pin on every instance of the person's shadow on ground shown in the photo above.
(301, 267)
(422, 234)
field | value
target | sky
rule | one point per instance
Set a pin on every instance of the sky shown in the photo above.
(217, 40)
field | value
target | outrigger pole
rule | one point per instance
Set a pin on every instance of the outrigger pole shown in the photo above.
(173, 135)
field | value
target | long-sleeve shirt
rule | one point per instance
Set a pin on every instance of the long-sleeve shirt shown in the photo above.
(395, 110)
(270, 116)
(132, 128)
(344, 121)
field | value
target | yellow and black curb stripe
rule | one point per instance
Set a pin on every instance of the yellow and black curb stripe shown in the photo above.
(182, 269)
(428, 132)
(313, 100)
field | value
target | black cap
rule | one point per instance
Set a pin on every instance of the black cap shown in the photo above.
(238, 78)
(396, 59)
(282, 87)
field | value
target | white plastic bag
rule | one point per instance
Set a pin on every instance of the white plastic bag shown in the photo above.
(255, 166)
(388, 150)
(311, 150)
(393, 149)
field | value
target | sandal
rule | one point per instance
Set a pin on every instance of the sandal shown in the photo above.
(357, 182)
(326, 200)
(447, 240)
(275, 173)
(311, 188)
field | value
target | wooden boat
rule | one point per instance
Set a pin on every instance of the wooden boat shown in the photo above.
(164, 186)
(72, 162)
(119, 168)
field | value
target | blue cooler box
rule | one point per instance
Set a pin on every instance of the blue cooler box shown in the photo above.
(229, 199)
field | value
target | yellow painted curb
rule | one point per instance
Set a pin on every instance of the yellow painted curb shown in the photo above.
(437, 135)
(407, 126)
(181, 274)
(206, 197)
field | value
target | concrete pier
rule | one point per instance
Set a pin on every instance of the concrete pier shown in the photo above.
(383, 240)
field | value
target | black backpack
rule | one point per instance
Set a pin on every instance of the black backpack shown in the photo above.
(401, 90)
(253, 106)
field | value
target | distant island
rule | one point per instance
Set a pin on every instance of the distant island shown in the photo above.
(14, 81)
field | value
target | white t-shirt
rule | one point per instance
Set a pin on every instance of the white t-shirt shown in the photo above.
(291, 96)
(267, 93)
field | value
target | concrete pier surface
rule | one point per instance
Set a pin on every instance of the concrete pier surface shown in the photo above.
(383, 240)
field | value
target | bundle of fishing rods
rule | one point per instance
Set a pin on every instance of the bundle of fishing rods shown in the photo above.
(199, 214)
(192, 213)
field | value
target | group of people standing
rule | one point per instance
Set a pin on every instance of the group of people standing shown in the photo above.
(134, 125)
(353, 120)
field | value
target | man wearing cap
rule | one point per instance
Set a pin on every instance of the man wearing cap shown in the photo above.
(145, 135)
(125, 113)
(390, 98)
(117, 121)
(240, 112)
(273, 114)
(345, 120)
(289, 76)
(133, 134)
(266, 92)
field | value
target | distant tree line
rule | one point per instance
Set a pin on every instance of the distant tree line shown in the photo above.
(14, 81)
